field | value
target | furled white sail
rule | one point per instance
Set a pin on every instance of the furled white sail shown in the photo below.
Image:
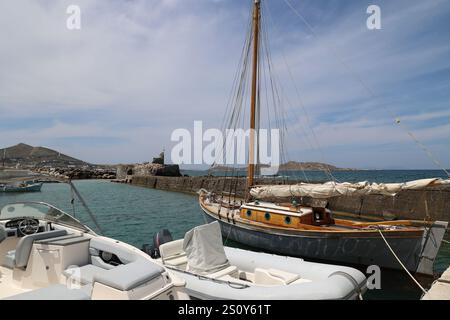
(334, 189)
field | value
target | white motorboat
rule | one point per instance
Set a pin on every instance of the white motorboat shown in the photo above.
(213, 271)
(46, 254)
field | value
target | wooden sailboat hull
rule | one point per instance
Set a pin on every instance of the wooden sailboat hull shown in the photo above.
(362, 248)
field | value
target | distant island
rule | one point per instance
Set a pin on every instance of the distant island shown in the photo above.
(289, 166)
(310, 166)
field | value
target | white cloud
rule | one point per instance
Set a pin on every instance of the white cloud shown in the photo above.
(166, 63)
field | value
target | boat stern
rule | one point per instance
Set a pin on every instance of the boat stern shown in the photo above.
(431, 242)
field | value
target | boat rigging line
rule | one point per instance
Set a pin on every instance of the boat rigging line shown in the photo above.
(401, 263)
(72, 201)
(315, 145)
(371, 93)
(75, 191)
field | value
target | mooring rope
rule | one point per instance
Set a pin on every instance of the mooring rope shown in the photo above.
(233, 285)
(400, 262)
(229, 232)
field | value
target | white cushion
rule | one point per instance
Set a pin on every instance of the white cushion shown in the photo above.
(170, 249)
(10, 259)
(263, 277)
(126, 277)
(85, 274)
(287, 277)
(274, 277)
(54, 292)
(176, 261)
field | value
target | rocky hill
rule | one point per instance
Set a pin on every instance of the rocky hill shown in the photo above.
(308, 166)
(290, 166)
(24, 155)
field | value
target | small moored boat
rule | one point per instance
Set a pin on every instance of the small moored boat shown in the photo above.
(22, 187)
(307, 232)
(213, 271)
(46, 254)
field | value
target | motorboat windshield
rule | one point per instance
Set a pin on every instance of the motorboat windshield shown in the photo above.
(40, 211)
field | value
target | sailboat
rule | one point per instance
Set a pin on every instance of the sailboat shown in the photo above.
(292, 228)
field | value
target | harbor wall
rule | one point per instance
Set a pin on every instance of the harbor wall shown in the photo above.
(432, 203)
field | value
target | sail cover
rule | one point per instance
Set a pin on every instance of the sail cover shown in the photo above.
(334, 189)
(204, 249)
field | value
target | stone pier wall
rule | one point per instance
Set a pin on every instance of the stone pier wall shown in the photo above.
(412, 204)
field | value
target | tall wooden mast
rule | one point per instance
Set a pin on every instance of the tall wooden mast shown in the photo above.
(251, 153)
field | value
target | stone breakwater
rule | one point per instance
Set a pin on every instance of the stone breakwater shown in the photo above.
(148, 169)
(432, 203)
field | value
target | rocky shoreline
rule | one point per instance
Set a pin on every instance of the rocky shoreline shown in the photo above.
(77, 173)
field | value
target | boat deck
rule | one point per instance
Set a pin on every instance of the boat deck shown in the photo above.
(7, 286)
(440, 290)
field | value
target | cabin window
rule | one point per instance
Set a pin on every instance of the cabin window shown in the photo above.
(249, 213)
(267, 216)
(287, 220)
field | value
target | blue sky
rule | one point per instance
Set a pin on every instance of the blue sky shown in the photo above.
(138, 69)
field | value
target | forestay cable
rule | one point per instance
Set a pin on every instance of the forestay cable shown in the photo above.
(370, 91)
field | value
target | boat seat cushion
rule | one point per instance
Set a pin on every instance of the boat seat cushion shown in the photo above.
(19, 257)
(3, 233)
(85, 274)
(172, 253)
(87, 289)
(10, 259)
(129, 276)
(170, 249)
(25, 245)
(287, 277)
(55, 292)
(176, 261)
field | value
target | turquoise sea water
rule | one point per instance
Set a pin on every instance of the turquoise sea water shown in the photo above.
(377, 176)
(133, 214)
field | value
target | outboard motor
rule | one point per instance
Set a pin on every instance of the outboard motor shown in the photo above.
(159, 238)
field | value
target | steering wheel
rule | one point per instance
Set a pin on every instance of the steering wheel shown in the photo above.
(28, 226)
